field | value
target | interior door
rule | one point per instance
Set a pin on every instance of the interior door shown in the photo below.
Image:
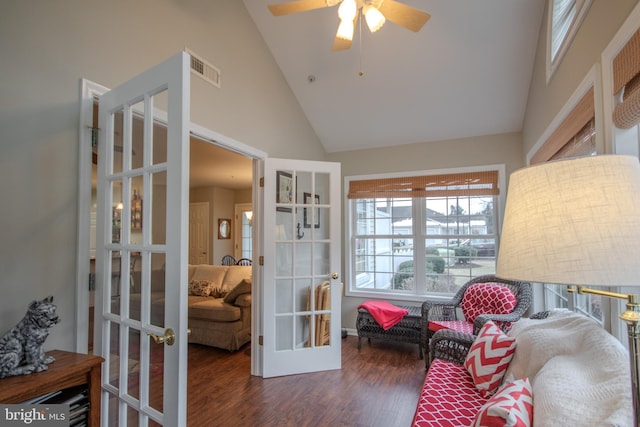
(199, 233)
(302, 261)
(142, 233)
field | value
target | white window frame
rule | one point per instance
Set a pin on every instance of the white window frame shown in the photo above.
(351, 280)
(618, 141)
(578, 9)
(546, 296)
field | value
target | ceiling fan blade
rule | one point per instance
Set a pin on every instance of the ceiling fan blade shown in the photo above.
(296, 6)
(406, 16)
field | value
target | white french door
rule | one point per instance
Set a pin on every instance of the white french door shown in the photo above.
(302, 262)
(142, 247)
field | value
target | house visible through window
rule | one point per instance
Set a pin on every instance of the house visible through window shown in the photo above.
(419, 235)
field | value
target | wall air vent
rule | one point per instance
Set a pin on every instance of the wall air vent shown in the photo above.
(204, 69)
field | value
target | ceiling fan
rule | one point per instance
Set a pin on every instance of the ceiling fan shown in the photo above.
(375, 12)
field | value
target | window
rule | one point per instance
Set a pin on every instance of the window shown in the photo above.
(620, 71)
(556, 296)
(563, 20)
(421, 235)
(572, 134)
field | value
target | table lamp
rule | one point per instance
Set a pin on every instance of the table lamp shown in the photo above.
(577, 223)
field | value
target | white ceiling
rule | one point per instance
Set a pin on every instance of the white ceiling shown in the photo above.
(466, 73)
(211, 165)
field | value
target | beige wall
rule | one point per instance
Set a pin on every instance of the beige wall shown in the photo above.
(483, 150)
(222, 203)
(46, 48)
(546, 100)
(544, 103)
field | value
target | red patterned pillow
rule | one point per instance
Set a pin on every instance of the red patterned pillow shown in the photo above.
(489, 358)
(511, 406)
(482, 298)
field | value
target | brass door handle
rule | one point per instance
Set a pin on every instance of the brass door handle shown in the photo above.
(335, 276)
(168, 338)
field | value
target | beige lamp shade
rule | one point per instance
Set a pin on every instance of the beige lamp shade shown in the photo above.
(573, 222)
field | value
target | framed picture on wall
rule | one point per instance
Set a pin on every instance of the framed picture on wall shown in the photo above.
(284, 190)
(224, 228)
(307, 211)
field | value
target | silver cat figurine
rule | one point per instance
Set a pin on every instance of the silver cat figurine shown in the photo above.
(21, 349)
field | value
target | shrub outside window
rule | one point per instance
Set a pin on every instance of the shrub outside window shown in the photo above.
(421, 235)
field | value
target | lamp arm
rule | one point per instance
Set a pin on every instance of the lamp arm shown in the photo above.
(632, 318)
(584, 290)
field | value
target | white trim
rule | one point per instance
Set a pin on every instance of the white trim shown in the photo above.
(592, 79)
(348, 228)
(238, 210)
(227, 142)
(624, 33)
(88, 91)
(628, 28)
(257, 329)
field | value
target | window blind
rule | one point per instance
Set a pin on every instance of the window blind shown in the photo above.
(626, 77)
(582, 144)
(564, 12)
(579, 118)
(483, 183)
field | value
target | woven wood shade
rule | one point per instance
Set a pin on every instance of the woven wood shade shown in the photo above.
(582, 144)
(483, 183)
(580, 116)
(626, 71)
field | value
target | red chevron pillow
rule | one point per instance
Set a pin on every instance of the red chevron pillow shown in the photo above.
(489, 358)
(511, 406)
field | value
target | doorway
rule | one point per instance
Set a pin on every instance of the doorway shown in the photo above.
(211, 143)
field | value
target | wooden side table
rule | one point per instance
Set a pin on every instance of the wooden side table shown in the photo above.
(68, 370)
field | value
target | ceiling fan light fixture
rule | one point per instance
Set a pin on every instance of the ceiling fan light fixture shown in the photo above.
(347, 10)
(375, 19)
(345, 30)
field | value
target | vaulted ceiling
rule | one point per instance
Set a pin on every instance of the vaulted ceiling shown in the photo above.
(466, 73)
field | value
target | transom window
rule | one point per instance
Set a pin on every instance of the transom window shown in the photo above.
(563, 20)
(421, 234)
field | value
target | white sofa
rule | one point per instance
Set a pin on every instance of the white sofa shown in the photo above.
(579, 373)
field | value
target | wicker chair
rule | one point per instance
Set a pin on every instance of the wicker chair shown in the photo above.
(448, 311)
(453, 346)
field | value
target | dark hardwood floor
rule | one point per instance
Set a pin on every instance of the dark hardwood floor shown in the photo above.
(377, 386)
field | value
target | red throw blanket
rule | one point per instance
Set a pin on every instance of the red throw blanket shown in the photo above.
(386, 314)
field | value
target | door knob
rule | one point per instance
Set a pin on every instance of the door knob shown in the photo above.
(335, 276)
(168, 338)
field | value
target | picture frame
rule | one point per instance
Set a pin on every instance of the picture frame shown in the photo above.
(224, 228)
(306, 213)
(284, 190)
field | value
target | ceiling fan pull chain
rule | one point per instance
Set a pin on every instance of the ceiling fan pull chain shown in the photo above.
(360, 73)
